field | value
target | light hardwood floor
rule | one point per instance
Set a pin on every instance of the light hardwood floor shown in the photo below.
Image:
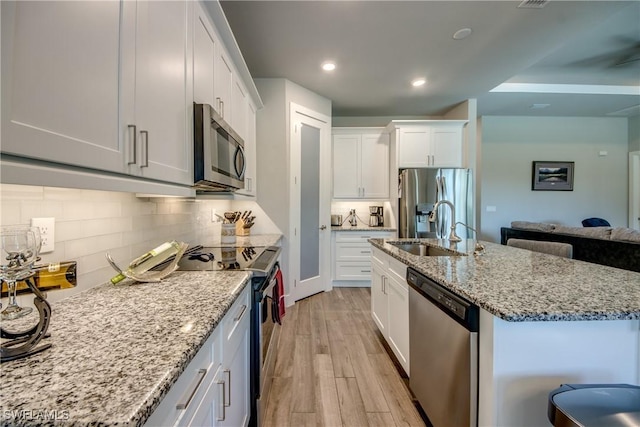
(332, 369)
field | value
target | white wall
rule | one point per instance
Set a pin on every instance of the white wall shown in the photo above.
(273, 151)
(634, 133)
(510, 144)
(90, 223)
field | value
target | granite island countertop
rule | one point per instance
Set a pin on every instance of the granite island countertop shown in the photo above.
(117, 349)
(519, 285)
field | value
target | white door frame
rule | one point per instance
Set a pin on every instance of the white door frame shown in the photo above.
(634, 190)
(298, 115)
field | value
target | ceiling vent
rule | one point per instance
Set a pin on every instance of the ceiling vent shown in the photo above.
(533, 4)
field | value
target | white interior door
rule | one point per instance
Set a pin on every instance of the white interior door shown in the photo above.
(310, 196)
(634, 190)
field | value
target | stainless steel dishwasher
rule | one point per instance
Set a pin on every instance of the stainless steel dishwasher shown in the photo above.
(443, 349)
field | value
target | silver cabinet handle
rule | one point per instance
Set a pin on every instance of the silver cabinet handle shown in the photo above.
(222, 108)
(323, 227)
(365, 271)
(248, 181)
(365, 237)
(383, 285)
(228, 372)
(221, 399)
(146, 148)
(239, 316)
(132, 146)
(365, 252)
(219, 105)
(188, 395)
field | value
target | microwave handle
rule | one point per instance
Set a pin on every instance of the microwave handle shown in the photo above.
(239, 152)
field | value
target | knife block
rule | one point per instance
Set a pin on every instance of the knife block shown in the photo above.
(240, 230)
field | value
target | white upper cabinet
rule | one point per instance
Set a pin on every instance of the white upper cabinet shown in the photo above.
(360, 163)
(163, 91)
(238, 119)
(223, 84)
(100, 85)
(60, 82)
(429, 143)
(250, 152)
(205, 44)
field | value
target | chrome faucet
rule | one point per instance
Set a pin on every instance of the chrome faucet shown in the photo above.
(453, 237)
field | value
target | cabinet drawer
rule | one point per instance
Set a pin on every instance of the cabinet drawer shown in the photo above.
(353, 251)
(362, 236)
(235, 321)
(353, 270)
(177, 407)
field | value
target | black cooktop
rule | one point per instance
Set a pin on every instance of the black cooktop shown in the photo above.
(260, 260)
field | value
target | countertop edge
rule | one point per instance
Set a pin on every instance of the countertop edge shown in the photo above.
(155, 398)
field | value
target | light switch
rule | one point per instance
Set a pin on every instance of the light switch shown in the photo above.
(491, 208)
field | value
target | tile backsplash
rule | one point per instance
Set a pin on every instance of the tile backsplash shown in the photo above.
(89, 223)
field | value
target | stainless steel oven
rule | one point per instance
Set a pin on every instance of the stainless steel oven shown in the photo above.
(219, 161)
(264, 344)
(265, 330)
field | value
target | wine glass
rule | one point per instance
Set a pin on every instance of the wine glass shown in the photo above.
(19, 252)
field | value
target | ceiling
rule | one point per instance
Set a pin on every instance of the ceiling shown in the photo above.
(379, 47)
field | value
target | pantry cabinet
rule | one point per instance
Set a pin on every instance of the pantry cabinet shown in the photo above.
(429, 143)
(390, 304)
(360, 163)
(82, 86)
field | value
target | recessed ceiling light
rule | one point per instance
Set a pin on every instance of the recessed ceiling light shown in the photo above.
(328, 66)
(418, 82)
(462, 33)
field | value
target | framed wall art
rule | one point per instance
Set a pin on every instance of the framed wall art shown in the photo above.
(552, 176)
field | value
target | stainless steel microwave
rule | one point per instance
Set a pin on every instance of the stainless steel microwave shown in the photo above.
(219, 162)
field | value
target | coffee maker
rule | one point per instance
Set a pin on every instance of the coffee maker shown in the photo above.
(376, 219)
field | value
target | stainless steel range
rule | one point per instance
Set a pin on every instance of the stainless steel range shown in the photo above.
(265, 331)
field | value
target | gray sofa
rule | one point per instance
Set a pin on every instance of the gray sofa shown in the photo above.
(615, 247)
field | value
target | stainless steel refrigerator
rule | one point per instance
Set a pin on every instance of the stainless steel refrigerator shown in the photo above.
(421, 189)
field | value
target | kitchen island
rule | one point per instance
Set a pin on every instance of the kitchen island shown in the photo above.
(117, 349)
(544, 321)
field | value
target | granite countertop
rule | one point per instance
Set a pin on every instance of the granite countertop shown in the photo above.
(360, 227)
(519, 285)
(116, 350)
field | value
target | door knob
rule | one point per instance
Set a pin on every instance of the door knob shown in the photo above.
(323, 227)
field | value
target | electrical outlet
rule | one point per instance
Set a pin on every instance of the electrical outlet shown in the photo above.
(47, 233)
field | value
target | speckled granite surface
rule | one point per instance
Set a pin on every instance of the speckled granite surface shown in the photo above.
(520, 285)
(116, 350)
(362, 227)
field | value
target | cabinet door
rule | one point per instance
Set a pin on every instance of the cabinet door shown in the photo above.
(223, 81)
(398, 299)
(60, 82)
(379, 304)
(346, 173)
(236, 372)
(414, 148)
(210, 410)
(163, 101)
(204, 57)
(239, 109)
(446, 146)
(374, 166)
(250, 152)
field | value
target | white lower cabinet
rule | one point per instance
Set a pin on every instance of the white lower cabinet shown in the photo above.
(390, 303)
(214, 388)
(352, 254)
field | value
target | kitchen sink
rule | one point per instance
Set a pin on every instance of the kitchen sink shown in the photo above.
(422, 250)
